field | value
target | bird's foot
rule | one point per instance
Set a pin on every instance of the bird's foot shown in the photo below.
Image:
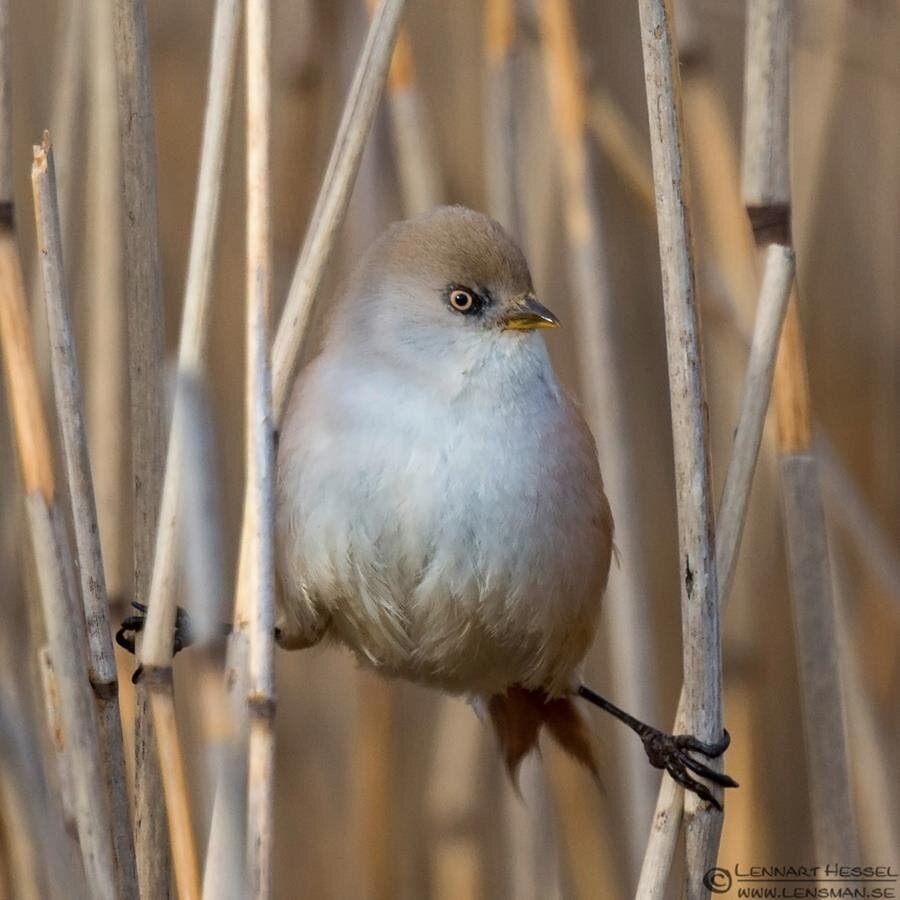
(134, 625)
(671, 752)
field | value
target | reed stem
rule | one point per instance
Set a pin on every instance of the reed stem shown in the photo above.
(259, 509)
(767, 196)
(699, 588)
(143, 301)
(89, 560)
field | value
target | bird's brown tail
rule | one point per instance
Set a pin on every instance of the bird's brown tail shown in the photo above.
(518, 716)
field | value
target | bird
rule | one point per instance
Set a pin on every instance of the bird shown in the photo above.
(440, 509)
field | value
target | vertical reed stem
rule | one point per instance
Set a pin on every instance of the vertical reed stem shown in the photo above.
(70, 414)
(766, 189)
(106, 375)
(699, 591)
(260, 502)
(143, 299)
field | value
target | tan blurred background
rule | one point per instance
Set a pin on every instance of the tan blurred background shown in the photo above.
(397, 792)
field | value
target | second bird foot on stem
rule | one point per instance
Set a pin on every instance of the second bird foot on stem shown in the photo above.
(672, 752)
(133, 625)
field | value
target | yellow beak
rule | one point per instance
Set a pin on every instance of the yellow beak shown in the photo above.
(526, 314)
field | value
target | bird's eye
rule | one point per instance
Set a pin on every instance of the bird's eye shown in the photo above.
(462, 300)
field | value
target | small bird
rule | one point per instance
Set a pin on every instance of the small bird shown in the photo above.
(440, 509)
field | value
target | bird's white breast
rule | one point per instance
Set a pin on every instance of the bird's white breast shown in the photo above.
(449, 529)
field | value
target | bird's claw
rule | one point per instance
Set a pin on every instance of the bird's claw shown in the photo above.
(133, 625)
(671, 752)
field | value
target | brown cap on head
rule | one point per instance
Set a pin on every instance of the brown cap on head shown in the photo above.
(456, 244)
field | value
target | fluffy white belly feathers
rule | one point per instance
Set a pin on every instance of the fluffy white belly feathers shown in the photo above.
(460, 539)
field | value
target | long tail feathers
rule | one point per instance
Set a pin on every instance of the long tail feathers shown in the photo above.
(518, 716)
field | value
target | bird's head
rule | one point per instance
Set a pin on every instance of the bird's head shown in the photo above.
(445, 287)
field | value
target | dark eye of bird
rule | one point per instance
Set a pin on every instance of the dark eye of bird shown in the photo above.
(464, 300)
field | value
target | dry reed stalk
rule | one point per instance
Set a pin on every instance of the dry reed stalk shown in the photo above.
(699, 591)
(605, 391)
(732, 516)
(259, 509)
(143, 300)
(778, 276)
(174, 778)
(63, 617)
(89, 561)
(766, 190)
(106, 377)
(334, 194)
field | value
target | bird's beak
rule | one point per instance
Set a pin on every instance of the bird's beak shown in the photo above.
(526, 314)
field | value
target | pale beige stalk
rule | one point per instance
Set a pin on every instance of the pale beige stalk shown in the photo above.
(697, 564)
(89, 561)
(106, 354)
(766, 189)
(259, 507)
(143, 301)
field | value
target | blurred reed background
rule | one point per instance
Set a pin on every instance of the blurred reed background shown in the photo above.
(386, 790)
